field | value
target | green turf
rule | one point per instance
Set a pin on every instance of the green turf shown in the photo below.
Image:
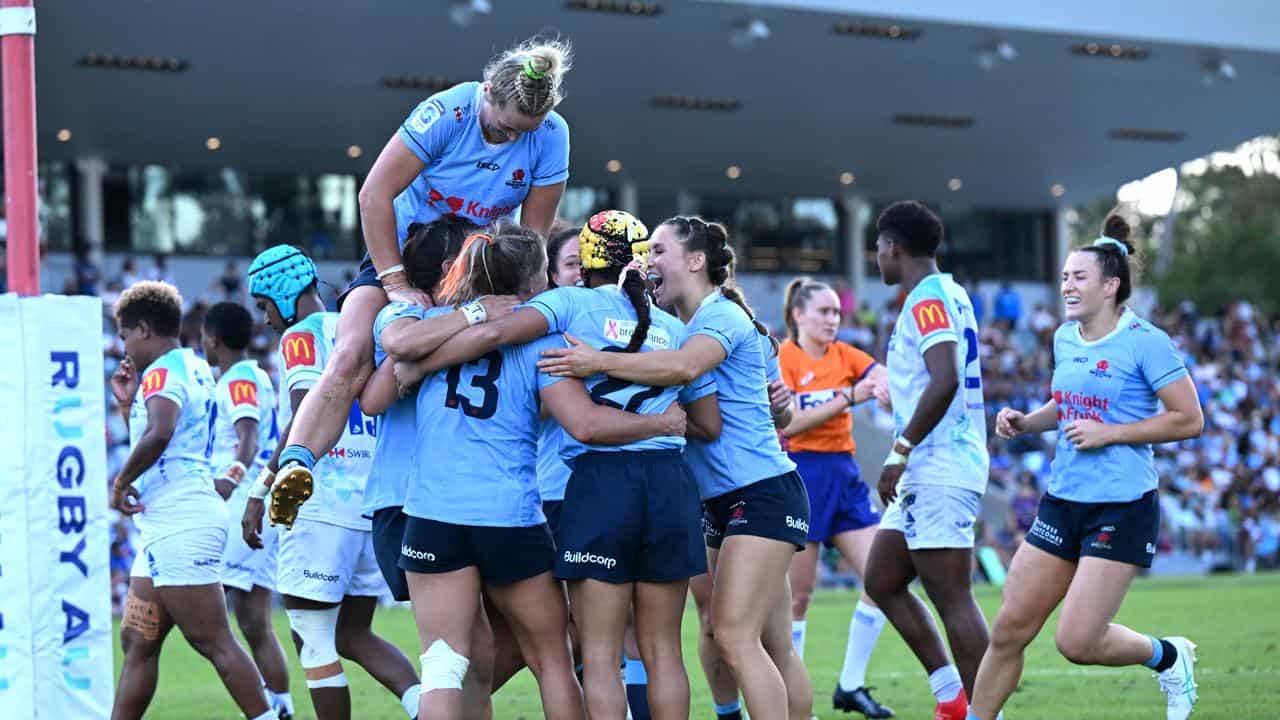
(1234, 620)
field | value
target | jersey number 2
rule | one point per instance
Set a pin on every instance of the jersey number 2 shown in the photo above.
(971, 382)
(611, 385)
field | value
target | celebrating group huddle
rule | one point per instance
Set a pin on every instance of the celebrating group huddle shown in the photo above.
(500, 413)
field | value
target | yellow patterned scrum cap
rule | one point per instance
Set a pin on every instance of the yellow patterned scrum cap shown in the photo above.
(612, 239)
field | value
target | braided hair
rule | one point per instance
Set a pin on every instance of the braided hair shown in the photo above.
(614, 245)
(531, 75)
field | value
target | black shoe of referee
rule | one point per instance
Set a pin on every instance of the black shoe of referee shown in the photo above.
(859, 700)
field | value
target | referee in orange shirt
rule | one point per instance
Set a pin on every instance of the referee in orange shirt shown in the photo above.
(828, 378)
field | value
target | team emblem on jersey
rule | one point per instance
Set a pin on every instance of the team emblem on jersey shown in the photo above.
(930, 315)
(298, 349)
(517, 179)
(153, 382)
(243, 392)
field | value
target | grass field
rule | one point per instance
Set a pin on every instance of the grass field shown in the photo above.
(1234, 620)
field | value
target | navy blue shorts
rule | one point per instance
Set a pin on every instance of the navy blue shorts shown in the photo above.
(503, 555)
(630, 517)
(552, 508)
(365, 276)
(1124, 532)
(775, 508)
(388, 535)
(838, 499)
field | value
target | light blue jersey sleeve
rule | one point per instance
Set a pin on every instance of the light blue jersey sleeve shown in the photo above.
(240, 392)
(721, 322)
(557, 308)
(698, 389)
(393, 312)
(431, 127)
(551, 164)
(1158, 359)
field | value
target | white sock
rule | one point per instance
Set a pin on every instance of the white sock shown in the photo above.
(864, 630)
(268, 715)
(409, 700)
(797, 636)
(282, 701)
(945, 683)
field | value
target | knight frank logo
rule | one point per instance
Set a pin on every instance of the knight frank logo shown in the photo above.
(298, 349)
(930, 315)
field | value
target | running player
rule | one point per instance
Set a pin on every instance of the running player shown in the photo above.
(244, 436)
(327, 574)
(828, 378)
(756, 510)
(1119, 386)
(477, 520)
(933, 480)
(182, 523)
(478, 150)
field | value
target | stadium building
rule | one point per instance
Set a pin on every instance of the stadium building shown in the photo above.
(209, 133)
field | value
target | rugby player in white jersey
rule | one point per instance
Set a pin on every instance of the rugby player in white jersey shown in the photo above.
(933, 480)
(244, 436)
(327, 573)
(164, 392)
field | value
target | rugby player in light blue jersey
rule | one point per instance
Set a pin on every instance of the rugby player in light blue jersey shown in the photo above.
(165, 394)
(1119, 386)
(756, 510)
(327, 572)
(244, 436)
(475, 514)
(428, 253)
(933, 480)
(478, 151)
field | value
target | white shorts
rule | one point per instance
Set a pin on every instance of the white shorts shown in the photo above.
(323, 562)
(190, 557)
(933, 517)
(242, 566)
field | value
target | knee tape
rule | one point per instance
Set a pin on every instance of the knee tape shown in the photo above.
(317, 629)
(442, 668)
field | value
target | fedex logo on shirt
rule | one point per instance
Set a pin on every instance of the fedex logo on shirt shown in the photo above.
(298, 349)
(153, 382)
(813, 399)
(930, 315)
(244, 392)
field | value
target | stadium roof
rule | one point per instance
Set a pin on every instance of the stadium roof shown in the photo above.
(289, 86)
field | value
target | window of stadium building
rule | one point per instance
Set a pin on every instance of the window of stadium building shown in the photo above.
(782, 234)
(229, 212)
(988, 244)
(55, 206)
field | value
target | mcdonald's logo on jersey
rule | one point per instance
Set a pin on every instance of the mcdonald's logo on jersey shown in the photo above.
(153, 382)
(298, 349)
(930, 315)
(244, 392)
